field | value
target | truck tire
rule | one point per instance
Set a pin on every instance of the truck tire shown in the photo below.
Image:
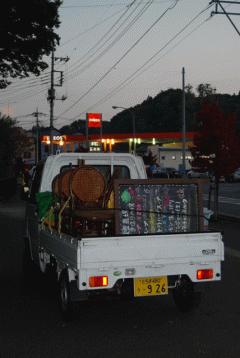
(64, 296)
(184, 296)
(127, 290)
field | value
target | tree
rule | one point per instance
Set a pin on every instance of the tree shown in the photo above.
(205, 90)
(27, 34)
(13, 142)
(216, 146)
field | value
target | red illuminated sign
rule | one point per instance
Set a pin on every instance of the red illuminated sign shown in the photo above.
(94, 120)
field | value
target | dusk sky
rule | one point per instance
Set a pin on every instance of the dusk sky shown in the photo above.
(123, 51)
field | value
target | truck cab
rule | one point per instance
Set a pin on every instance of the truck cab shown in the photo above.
(128, 166)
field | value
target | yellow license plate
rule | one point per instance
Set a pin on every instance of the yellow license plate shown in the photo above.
(150, 286)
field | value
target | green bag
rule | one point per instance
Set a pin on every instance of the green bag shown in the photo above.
(44, 202)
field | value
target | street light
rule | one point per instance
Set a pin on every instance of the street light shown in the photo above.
(133, 124)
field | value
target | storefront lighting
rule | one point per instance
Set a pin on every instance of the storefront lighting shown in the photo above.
(153, 141)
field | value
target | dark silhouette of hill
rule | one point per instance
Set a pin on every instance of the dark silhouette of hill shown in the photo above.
(163, 112)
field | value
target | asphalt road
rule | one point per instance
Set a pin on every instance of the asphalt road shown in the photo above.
(31, 326)
(229, 199)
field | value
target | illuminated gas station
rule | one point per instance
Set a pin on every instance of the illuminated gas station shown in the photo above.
(107, 142)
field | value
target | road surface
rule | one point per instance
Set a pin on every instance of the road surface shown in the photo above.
(31, 326)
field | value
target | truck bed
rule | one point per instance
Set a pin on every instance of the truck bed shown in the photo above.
(137, 256)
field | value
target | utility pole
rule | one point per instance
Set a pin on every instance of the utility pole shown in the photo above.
(218, 5)
(51, 93)
(51, 96)
(183, 123)
(36, 115)
(132, 115)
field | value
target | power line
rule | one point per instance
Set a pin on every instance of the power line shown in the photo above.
(122, 57)
(218, 3)
(119, 36)
(44, 78)
(107, 34)
(90, 28)
(106, 5)
(141, 69)
(35, 82)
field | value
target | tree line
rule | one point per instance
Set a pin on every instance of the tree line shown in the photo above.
(163, 112)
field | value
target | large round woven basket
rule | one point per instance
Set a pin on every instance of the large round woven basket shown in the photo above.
(88, 184)
(64, 183)
(55, 184)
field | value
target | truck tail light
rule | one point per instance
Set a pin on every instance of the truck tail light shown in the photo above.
(98, 281)
(205, 274)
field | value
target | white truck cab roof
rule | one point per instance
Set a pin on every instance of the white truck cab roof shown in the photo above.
(55, 162)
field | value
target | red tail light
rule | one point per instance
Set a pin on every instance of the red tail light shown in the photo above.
(98, 281)
(205, 274)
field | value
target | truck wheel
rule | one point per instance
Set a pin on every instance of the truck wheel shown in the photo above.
(65, 302)
(127, 290)
(184, 296)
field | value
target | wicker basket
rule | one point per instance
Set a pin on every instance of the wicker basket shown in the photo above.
(88, 185)
(55, 185)
(64, 183)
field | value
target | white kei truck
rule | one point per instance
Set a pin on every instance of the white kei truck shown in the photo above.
(127, 264)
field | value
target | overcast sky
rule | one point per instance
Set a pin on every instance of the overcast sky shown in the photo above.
(122, 51)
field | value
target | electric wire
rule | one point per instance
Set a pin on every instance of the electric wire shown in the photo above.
(35, 82)
(141, 69)
(119, 36)
(106, 5)
(26, 96)
(89, 29)
(25, 82)
(121, 58)
(107, 34)
(19, 86)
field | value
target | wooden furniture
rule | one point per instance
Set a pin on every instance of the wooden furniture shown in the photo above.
(89, 214)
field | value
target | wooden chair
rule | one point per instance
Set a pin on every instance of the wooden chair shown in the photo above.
(90, 217)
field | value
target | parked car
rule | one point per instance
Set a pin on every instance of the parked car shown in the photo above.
(173, 173)
(165, 172)
(235, 176)
(196, 174)
(159, 173)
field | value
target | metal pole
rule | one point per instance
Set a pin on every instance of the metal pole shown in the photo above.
(133, 126)
(183, 123)
(101, 133)
(86, 132)
(37, 137)
(51, 98)
(134, 130)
